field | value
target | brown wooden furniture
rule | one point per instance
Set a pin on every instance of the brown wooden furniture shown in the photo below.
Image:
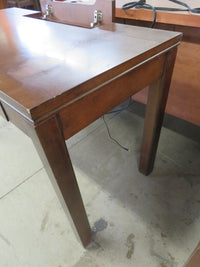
(2, 4)
(29, 4)
(56, 79)
(184, 94)
(80, 14)
(194, 260)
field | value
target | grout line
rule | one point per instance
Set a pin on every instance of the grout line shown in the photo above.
(179, 165)
(173, 161)
(20, 183)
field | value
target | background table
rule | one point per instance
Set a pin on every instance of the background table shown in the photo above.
(184, 95)
(55, 79)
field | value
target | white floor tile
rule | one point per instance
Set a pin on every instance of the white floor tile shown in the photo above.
(34, 229)
(18, 157)
(140, 221)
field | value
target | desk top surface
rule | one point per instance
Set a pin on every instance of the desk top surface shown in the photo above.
(45, 65)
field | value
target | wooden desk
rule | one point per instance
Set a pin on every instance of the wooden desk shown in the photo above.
(184, 94)
(56, 79)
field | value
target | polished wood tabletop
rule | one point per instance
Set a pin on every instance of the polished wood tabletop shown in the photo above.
(55, 79)
(44, 64)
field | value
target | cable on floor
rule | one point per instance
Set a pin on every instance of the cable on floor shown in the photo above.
(119, 110)
(108, 130)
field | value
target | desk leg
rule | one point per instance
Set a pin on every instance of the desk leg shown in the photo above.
(49, 141)
(155, 109)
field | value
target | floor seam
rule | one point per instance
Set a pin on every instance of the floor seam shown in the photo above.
(173, 161)
(29, 177)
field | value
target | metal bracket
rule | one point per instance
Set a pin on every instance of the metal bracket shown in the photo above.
(49, 11)
(98, 17)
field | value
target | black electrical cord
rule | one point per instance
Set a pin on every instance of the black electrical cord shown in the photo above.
(141, 4)
(115, 111)
(108, 130)
(121, 109)
(192, 10)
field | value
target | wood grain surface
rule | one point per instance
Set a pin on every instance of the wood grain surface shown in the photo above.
(2, 4)
(50, 144)
(55, 79)
(44, 64)
(79, 13)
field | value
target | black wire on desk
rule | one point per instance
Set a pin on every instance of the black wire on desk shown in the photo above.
(195, 10)
(141, 4)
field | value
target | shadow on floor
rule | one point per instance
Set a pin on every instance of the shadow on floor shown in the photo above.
(168, 200)
(175, 124)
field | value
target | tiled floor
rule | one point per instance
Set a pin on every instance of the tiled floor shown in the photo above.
(138, 221)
